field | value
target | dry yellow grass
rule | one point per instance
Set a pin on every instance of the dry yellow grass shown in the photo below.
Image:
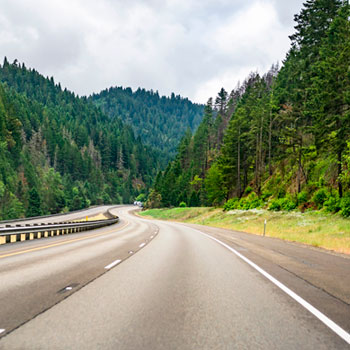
(318, 229)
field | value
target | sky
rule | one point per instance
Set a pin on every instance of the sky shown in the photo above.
(190, 47)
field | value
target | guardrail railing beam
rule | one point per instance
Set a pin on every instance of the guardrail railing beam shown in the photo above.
(11, 234)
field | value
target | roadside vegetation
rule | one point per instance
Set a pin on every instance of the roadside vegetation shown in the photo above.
(278, 141)
(315, 228)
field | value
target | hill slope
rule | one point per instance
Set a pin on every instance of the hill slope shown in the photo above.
(60, 152)
(280, 140)
(159, 121)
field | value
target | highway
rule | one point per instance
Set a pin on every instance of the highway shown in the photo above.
(147, 284)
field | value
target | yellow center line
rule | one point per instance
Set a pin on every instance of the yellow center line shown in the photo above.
(60, 243)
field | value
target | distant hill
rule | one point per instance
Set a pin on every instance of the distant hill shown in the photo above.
(159, 121)
(60, 152)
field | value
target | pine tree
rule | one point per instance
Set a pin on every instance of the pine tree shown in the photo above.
(330, 92)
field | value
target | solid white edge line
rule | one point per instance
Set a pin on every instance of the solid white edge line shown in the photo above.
(2, 330)
(142, 245)
(323, 318)
(116, 262)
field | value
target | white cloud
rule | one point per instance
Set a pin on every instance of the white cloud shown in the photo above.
(189, 47)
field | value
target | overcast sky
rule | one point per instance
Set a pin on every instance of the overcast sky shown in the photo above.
(189, 47)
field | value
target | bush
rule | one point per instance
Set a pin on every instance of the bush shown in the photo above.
(289, 204)
(345, 206)
(244, 204)
(254, 201)
(275, 204)
(231, 204)
(250, 202)
(282, 204)
(332, 204)
(302, 197)
(320, 197)
(182, 205)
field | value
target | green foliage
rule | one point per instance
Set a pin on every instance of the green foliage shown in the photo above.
(59, 151)
(286, 204)
(159, 121)
(154, 200)
(182, 205)
(332, 204)
(34, 203)
(302, 197)
(252, 201)
(231, 204)
(213, 184)
(345, 206)
(320, 197)
(141, 197)
(248, 190)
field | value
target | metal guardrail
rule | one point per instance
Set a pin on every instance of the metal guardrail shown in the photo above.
(46, 216)
(10, 234)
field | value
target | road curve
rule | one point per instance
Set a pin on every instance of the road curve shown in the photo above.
(182, 290)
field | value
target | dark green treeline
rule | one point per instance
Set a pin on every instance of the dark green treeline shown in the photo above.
(60, 152)
(280, 140)
(159, 121)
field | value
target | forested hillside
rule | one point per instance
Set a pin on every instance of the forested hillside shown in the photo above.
(281, 140)
(159, 121)
(60, 152)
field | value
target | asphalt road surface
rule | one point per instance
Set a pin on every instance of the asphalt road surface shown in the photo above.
(145, 284)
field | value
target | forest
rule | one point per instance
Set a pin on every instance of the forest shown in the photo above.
(280, 140)
(60, 152)
(159, 121)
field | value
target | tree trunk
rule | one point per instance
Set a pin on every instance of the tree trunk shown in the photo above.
(260, 156)
(340, 185)
(299, 165)
(239, 164)
(270, 137)
(257, 162)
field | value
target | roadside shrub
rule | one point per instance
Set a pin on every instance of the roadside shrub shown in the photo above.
(302, 197)
(345, 206)
(278, 204)
(254, 201)
(182, 205)
(288, 204)
(231, 204)
(275, 204)
(320, 197)
(244, 204)
(332, 204)
(250, 202)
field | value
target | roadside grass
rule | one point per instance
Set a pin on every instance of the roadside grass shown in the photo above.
(315, 228)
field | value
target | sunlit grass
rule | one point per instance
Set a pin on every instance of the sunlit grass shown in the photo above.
(315, 228)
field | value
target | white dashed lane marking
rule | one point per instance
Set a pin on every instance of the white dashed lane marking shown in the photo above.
(116, 262)
(142, 245)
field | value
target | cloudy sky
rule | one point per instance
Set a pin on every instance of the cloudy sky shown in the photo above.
(190, 47)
